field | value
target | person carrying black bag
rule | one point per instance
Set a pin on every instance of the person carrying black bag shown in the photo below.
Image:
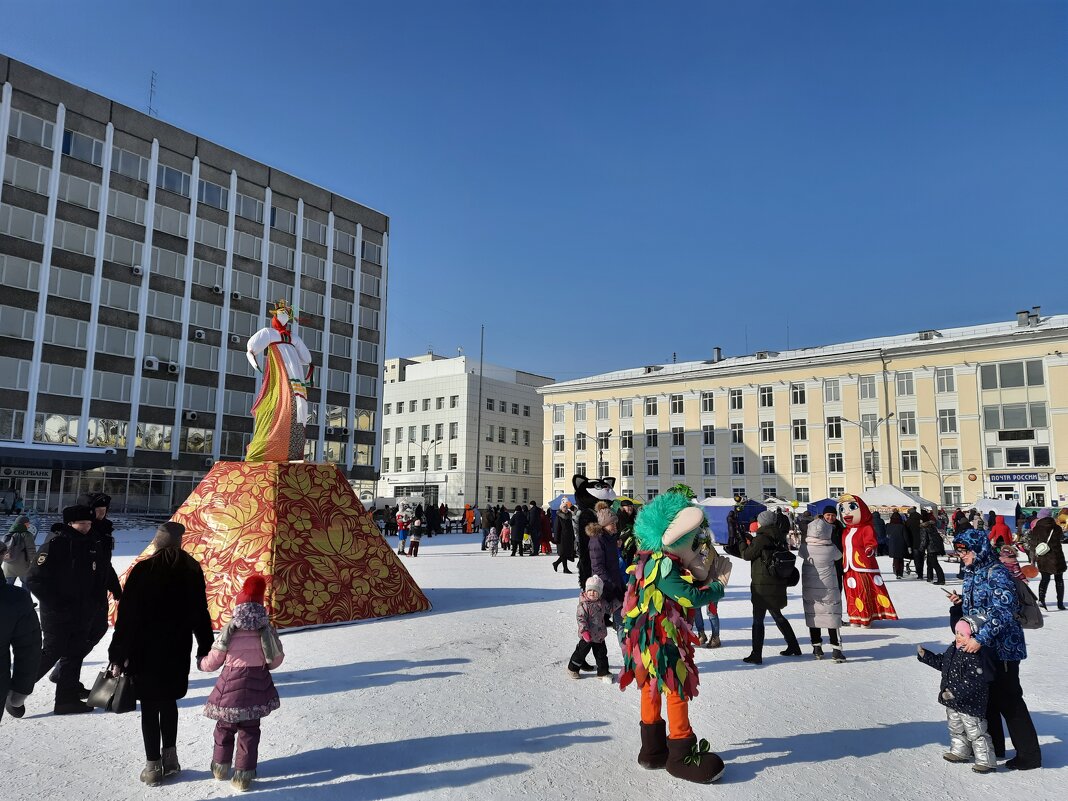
(768, 590)
(164, 607)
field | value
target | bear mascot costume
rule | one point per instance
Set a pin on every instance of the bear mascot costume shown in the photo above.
(588, 491)
(669, 578)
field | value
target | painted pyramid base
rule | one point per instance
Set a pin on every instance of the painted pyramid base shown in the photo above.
(302, 527)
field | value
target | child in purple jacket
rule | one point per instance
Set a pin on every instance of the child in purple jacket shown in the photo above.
(247, 649)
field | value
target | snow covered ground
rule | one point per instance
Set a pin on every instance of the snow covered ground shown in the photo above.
(471, 700)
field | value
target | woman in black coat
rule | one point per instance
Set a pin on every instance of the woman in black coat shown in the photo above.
(768, 591)
(897, 543)
(564, 534)
(519, 527)
(164, 606)
(934, 546)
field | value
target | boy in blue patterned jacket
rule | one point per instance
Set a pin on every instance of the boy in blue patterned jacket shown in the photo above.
(989, 598)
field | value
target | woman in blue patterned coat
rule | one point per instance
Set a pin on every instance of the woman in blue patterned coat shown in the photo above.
(989, 596)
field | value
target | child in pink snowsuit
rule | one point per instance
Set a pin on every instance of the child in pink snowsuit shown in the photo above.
(247, 649)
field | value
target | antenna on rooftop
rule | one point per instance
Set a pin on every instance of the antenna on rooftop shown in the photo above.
(152, 110)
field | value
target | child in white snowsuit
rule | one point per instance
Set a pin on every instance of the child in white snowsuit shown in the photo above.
(493, 540)
(247, 649)
(964, 691)
(592, 613)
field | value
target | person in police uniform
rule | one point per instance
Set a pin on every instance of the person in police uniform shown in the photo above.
(64, 579)
(106, 578)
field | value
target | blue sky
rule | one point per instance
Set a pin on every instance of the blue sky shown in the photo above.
(604, 184)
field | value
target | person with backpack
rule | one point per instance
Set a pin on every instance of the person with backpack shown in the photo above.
(21, 550)
(990, 597)
(768, 588)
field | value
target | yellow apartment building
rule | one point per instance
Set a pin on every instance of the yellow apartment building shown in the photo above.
(952, 415)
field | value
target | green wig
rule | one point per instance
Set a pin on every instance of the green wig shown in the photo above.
(655, 517)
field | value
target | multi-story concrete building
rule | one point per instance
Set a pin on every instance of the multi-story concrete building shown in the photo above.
(136, 259)
(952, 415)
(464, 439)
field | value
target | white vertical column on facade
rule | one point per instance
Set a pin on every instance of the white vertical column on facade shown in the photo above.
(298, 261)
(5, 124)
(142, 302)
(187, 301)
(353, 377)
(5, 128)
(46, 266)
(265, 253)
(383, 291)
(224, 342)
(98, 274)
(298, 266)
(328, 304)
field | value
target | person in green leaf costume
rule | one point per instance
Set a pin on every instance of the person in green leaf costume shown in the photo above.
(670, 576)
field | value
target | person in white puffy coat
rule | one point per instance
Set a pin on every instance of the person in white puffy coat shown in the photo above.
(820, 595)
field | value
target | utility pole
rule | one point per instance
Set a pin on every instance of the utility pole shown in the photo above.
(478, 425)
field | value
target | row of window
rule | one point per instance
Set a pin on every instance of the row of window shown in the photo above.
(439, 433)
(398, 463)
(992, 376)
(496, 495)
(413, 405)
(86, 148)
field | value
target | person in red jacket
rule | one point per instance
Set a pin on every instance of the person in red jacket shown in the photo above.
(1000, 533)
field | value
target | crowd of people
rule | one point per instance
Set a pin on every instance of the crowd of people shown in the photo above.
(163, 617)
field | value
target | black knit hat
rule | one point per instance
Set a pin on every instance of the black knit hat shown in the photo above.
(73, 514)
(829, 509)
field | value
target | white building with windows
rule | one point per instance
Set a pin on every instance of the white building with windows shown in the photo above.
(137, 258)
(952, 415)
(452, 435)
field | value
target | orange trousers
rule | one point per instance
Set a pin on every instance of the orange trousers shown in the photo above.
(678, 712)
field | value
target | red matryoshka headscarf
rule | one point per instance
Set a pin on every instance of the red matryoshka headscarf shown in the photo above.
(853, 502)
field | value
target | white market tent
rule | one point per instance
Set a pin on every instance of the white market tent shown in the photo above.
(773, 502)
(996, 505)
(888, 495)
(715, 501)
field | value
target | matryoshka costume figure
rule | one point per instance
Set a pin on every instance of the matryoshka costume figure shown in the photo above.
(280, 411)
(867, 598)
(668, 579)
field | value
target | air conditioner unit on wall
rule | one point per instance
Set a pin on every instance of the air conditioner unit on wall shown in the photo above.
(344, 432)
(172, 368)
(235, 296)
(191, 416)
(151, 363)
(330, 430)
(235, 339)
(209, 462)
(199, 334)
(218, 290)
(137, 269)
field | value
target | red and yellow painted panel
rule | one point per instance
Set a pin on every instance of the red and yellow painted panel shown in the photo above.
(302, 527)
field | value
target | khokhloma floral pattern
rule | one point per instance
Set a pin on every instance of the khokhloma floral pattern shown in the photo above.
(302, 527)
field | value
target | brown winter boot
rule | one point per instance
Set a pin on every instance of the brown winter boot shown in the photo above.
(654, 753)
(170, 761)
(693, 761)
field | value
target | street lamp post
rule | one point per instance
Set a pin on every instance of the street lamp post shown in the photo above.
(600, 450)
(941, 475)
(426, 448)
(872, 435)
